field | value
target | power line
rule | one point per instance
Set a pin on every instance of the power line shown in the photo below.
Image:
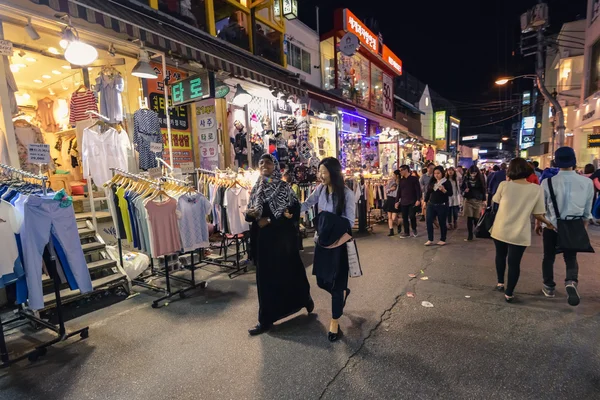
(495, 122)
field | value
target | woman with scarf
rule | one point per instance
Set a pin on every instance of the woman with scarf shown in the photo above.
(474, 191)
(283, 287)
(336, 208)
(437, 199)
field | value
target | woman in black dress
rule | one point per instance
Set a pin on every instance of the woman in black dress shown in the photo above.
(389, 206)
(283, 287)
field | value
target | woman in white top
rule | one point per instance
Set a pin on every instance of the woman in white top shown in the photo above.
(517, 199)
(455, 199)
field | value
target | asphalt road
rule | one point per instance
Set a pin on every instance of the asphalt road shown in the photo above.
(469, 345)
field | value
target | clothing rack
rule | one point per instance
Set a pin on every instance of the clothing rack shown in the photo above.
(22, 313)
(156, 272)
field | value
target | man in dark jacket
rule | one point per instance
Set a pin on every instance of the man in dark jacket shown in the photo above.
(408, 200)
(498, 178)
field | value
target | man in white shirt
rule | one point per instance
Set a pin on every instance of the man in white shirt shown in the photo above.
(574, 196)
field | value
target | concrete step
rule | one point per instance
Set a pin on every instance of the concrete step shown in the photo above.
(86, 233)
(92, 246)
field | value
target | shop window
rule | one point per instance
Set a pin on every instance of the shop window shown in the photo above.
(267, 43)
(354, 78)
(328, 64)
(594, 84)
(232, 24)
(300, 59)
(376, 89)
(192, 12)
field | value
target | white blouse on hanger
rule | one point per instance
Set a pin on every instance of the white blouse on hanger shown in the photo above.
(102, 151)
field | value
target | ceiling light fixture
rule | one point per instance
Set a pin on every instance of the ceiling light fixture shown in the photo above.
(31, 30)
(241, 97)
(76, 51)
(14, 68)
(38, 81)
(66, 67)
(53, 50)
(30, 59)
(46, 76)
(143, 69)
(67, 36)
(56, 72)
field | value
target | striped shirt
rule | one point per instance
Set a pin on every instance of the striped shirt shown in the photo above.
(80, 103)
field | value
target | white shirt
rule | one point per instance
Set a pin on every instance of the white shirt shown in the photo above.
(9, 225)
(236, 202)
(102, 151)
(574, 195)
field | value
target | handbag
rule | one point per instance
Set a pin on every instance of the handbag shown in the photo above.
(572, 235)
(354, 269)
(485, 223)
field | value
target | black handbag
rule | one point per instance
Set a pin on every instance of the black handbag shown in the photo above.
(482, 230)
(572, 235)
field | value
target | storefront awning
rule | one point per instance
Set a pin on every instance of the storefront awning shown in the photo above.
(169, 36)
(409, 105)
(323, 101)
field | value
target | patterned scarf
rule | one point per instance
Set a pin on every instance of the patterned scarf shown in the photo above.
(273, 191)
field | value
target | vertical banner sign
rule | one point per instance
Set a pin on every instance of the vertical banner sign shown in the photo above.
(206, 119)
(181, 132)
(388, 96)
(440, 125)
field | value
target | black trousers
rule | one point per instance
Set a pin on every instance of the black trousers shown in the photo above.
(550, 238)
(439, 211)
(453, 212)
(337, 290)
(471, 223)
(514, 253)
(409, 211)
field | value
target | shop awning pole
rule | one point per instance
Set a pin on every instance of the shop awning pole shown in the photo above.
(167, 110)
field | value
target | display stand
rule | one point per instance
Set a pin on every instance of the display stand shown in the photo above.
(156, 272)
(51, 261)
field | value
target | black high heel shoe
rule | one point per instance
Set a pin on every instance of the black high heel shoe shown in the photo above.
(310, 307)
(333, 337)
(259, 330)
(348, 291)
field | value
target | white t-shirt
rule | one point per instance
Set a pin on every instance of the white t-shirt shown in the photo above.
(102, 151)
(517, 201)
(236, 203)
(9, 225)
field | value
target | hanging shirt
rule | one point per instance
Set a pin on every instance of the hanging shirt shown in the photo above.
(163, 223)
(45, 114)
(25, 136)
(80, 103)
(111, 102)
(146, 130)
(10, 263)
(122, 204)
(192, 210)
(236, 202)
(102, 151)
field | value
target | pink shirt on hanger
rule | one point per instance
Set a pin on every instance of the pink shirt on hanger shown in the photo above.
(165, 230)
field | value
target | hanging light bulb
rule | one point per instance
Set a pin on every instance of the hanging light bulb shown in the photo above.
(241, 97)
(78, 52)
(143, 69)
(66, 37)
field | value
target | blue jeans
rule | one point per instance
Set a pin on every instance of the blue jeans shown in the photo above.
(453, 214)
(44, 220)
(439, 211)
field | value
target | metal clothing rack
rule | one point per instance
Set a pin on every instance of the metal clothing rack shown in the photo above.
(156, 272)
(51, 262)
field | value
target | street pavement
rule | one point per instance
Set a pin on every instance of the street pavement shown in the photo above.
(469, 345)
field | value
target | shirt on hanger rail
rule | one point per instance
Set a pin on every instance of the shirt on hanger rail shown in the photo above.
(103, 150)
(146, 130)
(163, 224)
(80, 103)
(193, 227)
(10, 263)
(236, 202)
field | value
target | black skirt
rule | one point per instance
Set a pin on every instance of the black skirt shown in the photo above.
(390, 205)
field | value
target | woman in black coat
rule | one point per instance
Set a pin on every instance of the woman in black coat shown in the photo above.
(437, 199)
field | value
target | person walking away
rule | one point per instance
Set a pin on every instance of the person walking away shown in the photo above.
(336, 212)
(437, 200)
(549, 172)
(538, 171)
(424, 182)
(498, 177)
(408, 199)
(517, 200)
(574, 197)
(390, 202)
(454, 199)
(473, 188)
(532, 178)
(495, 169)
(283, 287)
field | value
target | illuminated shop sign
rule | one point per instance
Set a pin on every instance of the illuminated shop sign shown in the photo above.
(392, 60)
(440, 125)
(528, 123)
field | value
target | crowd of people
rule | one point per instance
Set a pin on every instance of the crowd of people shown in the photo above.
(512, 193)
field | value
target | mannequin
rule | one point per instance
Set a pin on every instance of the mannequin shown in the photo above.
(240, 145)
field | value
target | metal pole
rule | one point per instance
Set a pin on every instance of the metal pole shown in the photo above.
(560, 129)
(167, 109)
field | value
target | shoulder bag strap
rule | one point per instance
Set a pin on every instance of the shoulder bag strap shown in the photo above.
(553, 198)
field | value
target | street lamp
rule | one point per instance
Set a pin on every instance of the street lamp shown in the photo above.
(505, 138)
(505, 80)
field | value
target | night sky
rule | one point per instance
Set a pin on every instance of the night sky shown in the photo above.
(457, 47)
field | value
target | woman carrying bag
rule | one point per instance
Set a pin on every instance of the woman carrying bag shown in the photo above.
(336, 213)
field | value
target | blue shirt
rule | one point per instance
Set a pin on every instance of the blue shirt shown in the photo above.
(325, 203)
(574, 196)
(494, 182)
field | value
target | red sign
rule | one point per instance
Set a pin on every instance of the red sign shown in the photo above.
(392, 60)
(366, 37)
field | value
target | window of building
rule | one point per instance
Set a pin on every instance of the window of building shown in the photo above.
(232, 24)
(376, 89)
(354, 78)
(299, 58)
(594, 84)
(267, 43)
(328, 64)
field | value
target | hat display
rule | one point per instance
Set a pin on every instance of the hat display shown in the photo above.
(564, 157)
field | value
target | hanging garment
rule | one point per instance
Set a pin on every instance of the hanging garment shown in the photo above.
(45, 115)
(25, 136)
(10, 263)
(80, 103)
(44, 220)
(163, 224)
(193, 228)
(102, 150)
(111, 102)
(146, 130)
(236, 203)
